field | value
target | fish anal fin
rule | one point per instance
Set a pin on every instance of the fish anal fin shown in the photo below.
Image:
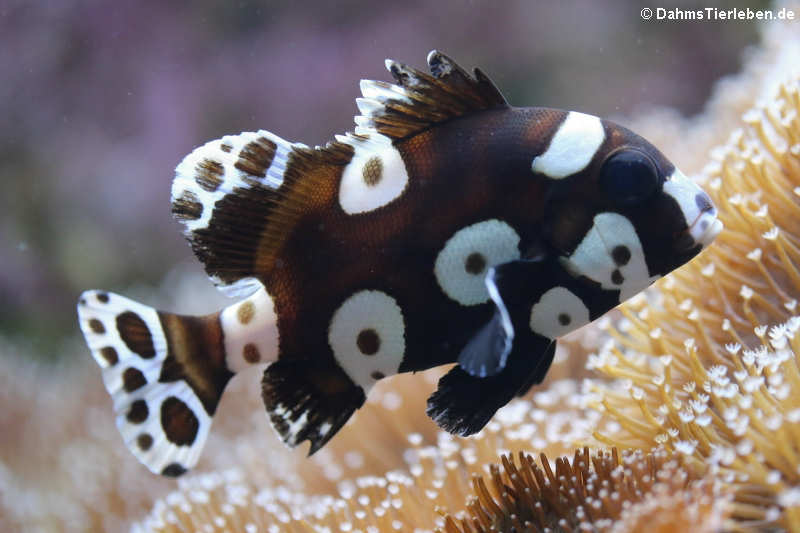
(309, 402)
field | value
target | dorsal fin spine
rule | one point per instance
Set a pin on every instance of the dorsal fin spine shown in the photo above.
(418, 100)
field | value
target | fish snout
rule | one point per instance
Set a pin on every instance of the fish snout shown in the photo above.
(699, 212)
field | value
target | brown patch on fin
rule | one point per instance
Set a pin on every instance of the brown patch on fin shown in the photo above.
(102, 297)
(187, 206)
(96, 326)
(209, 174)
(135, 334)
(173, 470)
(256, 157)
(109, 353)
(179, 422)
(133, 379)
(144, 441)
(225, 147)
(138, 412)
(196, 355)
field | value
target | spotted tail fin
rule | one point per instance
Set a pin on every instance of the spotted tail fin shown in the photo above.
(165, 374)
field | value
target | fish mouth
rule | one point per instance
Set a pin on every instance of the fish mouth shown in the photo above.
(698, 210)
(700, 233)
(705, 228)
(710, 233)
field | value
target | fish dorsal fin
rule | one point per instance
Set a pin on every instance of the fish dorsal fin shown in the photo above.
(419, 100)
(238, 198)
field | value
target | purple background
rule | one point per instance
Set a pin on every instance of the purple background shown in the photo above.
(100, 101)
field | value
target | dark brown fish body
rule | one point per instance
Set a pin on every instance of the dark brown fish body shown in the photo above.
(449, 227)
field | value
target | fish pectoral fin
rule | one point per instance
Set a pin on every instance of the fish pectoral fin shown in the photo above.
(487, 352)
(463, 403)
(510, 286)
(307, 401)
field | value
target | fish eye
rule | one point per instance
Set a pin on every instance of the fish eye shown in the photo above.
(628, 177)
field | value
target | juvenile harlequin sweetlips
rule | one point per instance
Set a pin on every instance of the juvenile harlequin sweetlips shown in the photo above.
(448, 227)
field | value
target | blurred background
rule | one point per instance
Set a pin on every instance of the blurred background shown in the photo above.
(99, 102)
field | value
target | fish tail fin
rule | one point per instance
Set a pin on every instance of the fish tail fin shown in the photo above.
(165, 374)
(309, 401)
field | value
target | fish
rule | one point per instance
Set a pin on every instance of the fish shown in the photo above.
(447, 227)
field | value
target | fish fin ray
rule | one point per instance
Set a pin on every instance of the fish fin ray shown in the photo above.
(237, 198)
(463, 403)
(487, 352)
(419, 100)
(309, 402)
(163, 415)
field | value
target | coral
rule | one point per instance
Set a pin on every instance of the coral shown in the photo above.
(433, 474)
(606, 492)
(709, 363)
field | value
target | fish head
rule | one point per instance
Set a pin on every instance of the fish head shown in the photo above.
(630, 217)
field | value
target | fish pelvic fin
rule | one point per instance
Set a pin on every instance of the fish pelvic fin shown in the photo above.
(165, 374)
(463, 404)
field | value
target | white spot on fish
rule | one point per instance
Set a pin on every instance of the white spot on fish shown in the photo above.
(595, 256)
(367, 335)
(558, 312)
(462, 264)
(250, 322)
(572, 147)
(375, 176)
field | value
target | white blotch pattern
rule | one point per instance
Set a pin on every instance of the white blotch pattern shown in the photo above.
(105, 307)
(368, 310)
(355, 195)
(703, 226)
(261, 330)
(558, 312)
(494, 240)
(572, 147)
(592, 258)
